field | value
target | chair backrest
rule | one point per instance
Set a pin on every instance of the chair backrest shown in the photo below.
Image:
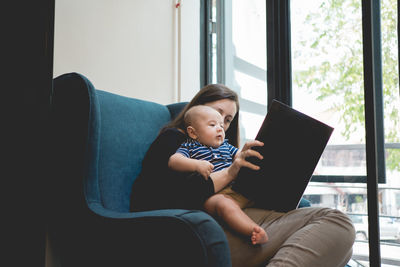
(100, 140)
(126, 128)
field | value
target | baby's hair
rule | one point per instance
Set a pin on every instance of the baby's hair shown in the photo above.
(192, 113)
(208, 94)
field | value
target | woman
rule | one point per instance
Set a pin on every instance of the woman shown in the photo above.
(302, 237)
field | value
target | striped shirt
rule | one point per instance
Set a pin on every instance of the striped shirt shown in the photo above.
(221, 157)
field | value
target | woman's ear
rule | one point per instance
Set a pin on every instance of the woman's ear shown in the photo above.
(191, 132)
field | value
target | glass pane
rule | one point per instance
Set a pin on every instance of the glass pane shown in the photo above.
(389, 193)
(391, 99)
(253, 123)
(214, 44)
(252, 88)
(245, 61)
(327, 73)
(249, 31)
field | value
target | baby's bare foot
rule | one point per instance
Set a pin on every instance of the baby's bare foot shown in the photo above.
(259, 236)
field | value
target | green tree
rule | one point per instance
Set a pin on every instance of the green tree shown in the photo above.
(337, 75)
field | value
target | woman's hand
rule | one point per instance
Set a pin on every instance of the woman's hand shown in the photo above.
(223, 177)
(242, 155)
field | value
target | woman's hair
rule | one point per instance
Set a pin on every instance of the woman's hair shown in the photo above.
(208, 94)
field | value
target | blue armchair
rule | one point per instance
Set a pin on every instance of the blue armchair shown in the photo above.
(98, 142)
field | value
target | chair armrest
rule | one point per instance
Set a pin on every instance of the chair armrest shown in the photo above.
(156, 238)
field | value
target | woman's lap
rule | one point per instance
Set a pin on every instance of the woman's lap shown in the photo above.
(305, 237)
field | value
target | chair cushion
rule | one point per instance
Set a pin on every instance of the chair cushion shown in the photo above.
(128, 126)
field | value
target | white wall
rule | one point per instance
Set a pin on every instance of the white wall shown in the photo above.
(144, 49)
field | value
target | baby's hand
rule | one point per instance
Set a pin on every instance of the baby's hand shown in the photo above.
(204, 168)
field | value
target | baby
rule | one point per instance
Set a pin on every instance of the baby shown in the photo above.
(207, 151)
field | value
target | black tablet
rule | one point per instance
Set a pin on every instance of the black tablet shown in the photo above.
(293, 145)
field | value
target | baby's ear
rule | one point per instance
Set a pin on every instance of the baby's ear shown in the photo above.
(191, 132)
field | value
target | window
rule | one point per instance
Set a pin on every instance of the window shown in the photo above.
(326, 56)
(240, 62)
(327, 67)
(327, 75)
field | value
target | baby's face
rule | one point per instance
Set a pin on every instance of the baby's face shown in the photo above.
(210, 128)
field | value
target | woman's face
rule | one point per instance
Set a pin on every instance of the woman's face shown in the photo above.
(227, 109)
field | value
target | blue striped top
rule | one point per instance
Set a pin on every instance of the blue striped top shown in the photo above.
(221, 157)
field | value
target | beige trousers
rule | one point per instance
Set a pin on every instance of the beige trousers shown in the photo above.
(309, 237)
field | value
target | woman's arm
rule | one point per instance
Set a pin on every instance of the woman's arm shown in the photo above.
(159, 187)
(222, 178)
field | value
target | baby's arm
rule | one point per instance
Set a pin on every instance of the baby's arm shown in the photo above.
(179, 162)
